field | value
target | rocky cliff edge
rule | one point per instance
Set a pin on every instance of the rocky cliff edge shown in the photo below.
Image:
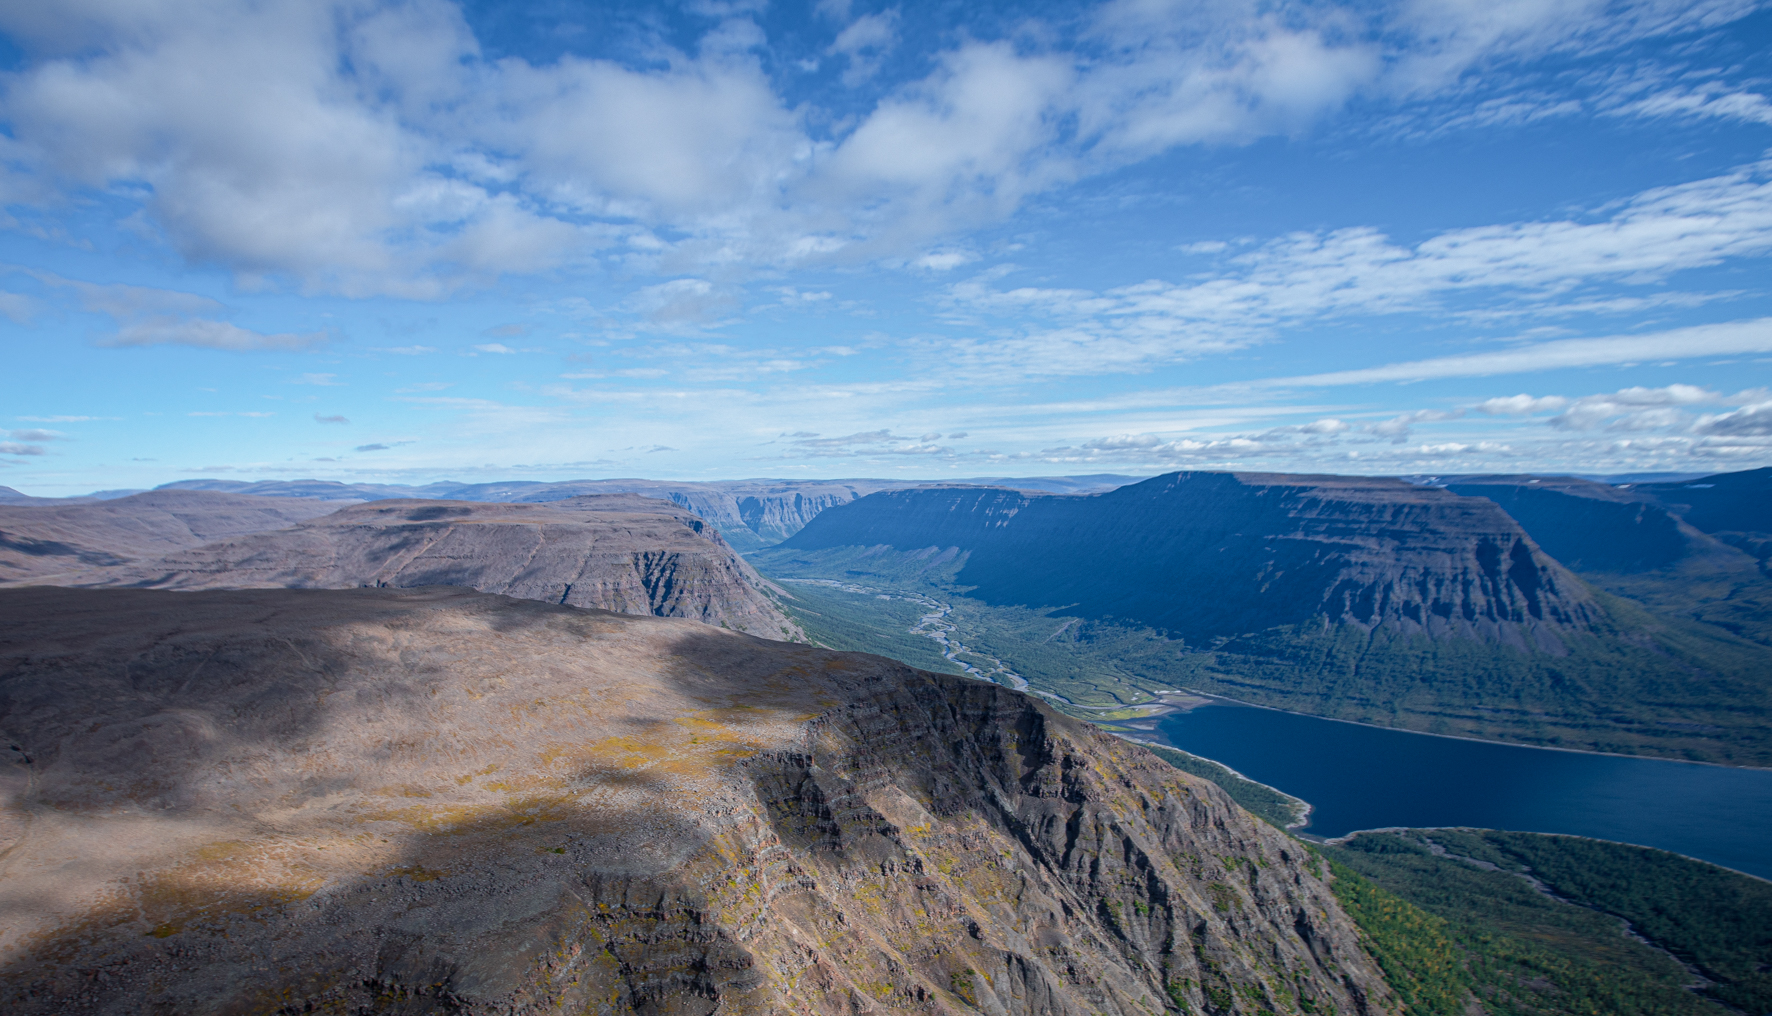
(436, 800)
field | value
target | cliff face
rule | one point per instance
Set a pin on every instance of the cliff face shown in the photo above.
(1597, 527)
(1207, 555)
(39, 542)
(407, 801)
(629, 554)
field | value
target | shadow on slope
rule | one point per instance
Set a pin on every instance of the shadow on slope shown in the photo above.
(437, 800)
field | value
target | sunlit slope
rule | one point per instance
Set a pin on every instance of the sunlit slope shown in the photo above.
(381, 800)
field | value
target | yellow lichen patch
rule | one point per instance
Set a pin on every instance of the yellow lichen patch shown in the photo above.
(477, 818)
(400, 790)
(220, 879)
(416, 872)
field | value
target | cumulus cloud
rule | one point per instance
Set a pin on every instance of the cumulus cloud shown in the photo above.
(1520, 405)
(1397, 428)
(865, 43)
(1748, 421)
(373, 148)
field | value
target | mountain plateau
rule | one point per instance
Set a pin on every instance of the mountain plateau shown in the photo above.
(443, 801)
(618, 552)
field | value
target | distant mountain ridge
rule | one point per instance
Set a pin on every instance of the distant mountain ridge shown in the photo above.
(1359, 598)
(43, 538)
(749, 513)
(1213, 555)
(617, 552)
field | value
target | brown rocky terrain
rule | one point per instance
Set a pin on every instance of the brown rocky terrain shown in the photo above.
(44, 539)
(619, 552)
(442, 801)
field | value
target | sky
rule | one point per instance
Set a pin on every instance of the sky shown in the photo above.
(415, 241)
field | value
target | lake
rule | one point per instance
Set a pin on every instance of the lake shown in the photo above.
(1360, 777)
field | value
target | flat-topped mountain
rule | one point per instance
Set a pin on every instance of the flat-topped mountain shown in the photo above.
(619, 552)
(1213, 555)
(749, 513)
(50, 540)
(422, 801)
(1360, 598)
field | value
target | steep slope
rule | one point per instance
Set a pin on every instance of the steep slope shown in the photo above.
(41, 539)
(1270, 549)
(1634, 542)
(1357, 598)
(619, 552)
(438, 801)
(1734, 507)
(1597, 527)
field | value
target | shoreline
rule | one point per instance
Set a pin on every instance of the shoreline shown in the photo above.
(1306, 809)
(1337, 841)
(1165, 709)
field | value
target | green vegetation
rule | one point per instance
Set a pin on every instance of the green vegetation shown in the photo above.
(1714, 919)
(1653, 684)
(864, 623)
(1258, 799)
(1421, 962)
(1440, 924)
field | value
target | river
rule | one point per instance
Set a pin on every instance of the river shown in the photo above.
(1361, 777)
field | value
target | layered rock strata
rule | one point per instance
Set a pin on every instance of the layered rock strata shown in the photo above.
(440, 801)
(1209, 555)
(1596, 527)
(618, 552)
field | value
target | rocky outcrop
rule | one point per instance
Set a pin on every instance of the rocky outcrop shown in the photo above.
(618, 552)
(45, 540)
(440, 801)
(1210, 555)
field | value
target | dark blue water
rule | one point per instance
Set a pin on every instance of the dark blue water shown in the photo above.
(1359, 777)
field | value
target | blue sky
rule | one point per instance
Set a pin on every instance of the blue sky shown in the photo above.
(415, 241)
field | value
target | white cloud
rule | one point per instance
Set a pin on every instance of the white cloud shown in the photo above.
(372, 148)
(494, 347)
(323, 380)
(943, 261)
(209, 334)
(1398, 428)
(1530, 268)
(1748, 421)
(865, 43)
(1520, 405)
(1753, 336)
